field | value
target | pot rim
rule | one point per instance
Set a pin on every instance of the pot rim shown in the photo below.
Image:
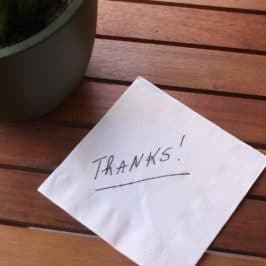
(44, 34)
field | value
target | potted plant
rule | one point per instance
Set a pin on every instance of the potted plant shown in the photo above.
(45, 46)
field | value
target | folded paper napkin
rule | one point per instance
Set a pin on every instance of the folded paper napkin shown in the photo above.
(155, 179)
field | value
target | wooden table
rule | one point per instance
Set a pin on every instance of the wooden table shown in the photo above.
(210, 54)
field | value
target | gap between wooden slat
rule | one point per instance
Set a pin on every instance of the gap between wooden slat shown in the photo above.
(182, 26)
(54, 142)
(242, 6)
(208, 251)
(30, 247)
(94, 100)
(22, 204)
(176, 88)
(179, 67)
(180, 44)
(45, 143)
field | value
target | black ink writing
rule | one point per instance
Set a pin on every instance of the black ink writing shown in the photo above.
(151, 158)
(136, 162)
(182, 141)
(121, 167)
(109, 169)
(165, 155)
(99, 161)
(112, 165)
(142, 180)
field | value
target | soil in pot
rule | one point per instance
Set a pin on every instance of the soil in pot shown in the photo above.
(18, 22)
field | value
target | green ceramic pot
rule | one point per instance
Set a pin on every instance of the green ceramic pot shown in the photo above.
(38, 73)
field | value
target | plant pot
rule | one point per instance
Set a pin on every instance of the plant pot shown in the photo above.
(38, 73)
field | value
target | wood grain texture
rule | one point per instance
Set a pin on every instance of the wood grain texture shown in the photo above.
(232, 236)
(20, 203)
(44, 145)
(259, 188)
(182, 25)
(223, 259)
(37, 145)
(94, 100)
(179, 66)
(259, 5)
(28, 247)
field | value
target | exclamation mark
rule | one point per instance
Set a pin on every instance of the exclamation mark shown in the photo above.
(182, 141)
(181, 144)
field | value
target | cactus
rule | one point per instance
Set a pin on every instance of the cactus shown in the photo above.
(20, 19)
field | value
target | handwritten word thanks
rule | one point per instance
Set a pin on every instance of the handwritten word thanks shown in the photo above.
(109, 165)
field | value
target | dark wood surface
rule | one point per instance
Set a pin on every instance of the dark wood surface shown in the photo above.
(182, 25)
(211, 55)
(246, 5)
(53, 248)
(178, 66)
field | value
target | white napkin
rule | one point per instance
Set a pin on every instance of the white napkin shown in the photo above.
(155, 179)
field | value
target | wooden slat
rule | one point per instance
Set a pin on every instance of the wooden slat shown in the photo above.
(259, 5)
(43, 145)
(244, 235)
(182, 25)
(259, 188)
(20, 203)
(37, 145)
(28, 247)
(224, 259)
(94, 100)
(25, 247)
(179, 66)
